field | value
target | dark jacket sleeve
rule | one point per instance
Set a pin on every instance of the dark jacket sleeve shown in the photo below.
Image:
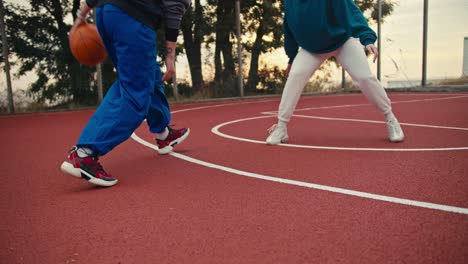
(174, 10)
(360, 27)
(290, 45)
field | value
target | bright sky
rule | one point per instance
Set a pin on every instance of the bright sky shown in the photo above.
(447, 25)
(401, 42)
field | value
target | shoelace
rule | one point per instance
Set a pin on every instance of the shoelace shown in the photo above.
(97, 166)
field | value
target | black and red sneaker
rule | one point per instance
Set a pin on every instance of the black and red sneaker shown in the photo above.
(87, 168)
(174, 137)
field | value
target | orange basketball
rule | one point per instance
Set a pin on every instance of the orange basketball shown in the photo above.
(86, 45)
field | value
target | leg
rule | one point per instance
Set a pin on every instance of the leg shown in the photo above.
(159, 115)
(132, 47)
(304, 65)
(354, 61)
(353, 58)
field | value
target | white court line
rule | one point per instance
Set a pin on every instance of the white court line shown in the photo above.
(366, 195)
(219, 105)
(311, 108)
(396, 200)
(426, 94)
(379, 122)
(393, 102)
(216, 131)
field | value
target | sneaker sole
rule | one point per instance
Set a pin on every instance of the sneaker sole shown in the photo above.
(397, 140)
(68, 168)
(284, 140)
(167, 149)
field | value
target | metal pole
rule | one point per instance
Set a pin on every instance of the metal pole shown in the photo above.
(239, 49)
(465, 58)
(99, 82)
(379, 37)
(343, 78)
(99, 75)
(424, 62)
(174, 87)
(11, 105)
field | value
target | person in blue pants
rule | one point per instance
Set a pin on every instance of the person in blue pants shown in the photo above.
(128, 31)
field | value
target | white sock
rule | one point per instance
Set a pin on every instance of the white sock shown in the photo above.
(162, 135)
(84, 152)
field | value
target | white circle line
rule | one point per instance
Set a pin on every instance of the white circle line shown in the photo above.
(396, 200)
(216, 131)
(391, 199)
(380, 122)
(219, 105)
(394, 102)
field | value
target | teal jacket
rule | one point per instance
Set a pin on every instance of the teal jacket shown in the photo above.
(322, 26)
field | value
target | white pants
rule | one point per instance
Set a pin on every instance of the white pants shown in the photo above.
(353, 59)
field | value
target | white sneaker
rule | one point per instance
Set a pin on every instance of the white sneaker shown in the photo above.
(278, 134)
(395, 134)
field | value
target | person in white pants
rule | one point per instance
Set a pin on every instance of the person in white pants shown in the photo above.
(307, 52)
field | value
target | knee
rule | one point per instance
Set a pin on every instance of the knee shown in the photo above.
(366, 81)
(138, 106)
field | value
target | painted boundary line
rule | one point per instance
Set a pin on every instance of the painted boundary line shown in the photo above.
(218, 105)
(270, 114)
(372, 196)
(216, 131)
(379, 122)
(393, 102)
(434, 206)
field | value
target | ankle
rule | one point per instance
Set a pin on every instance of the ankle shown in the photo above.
(84, 152)
(163, 135)
(282, 124)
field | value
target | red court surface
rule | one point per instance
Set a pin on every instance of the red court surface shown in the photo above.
(337, 192)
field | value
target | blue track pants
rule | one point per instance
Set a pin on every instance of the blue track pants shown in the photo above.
(138, 92)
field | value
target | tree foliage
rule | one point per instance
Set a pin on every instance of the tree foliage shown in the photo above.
(39, 39)
(224, 36)
(38, 36)
(263, 19)
(195, 26)
(372, 6)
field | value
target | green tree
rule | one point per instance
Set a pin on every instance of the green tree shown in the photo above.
(225, 81)
(372, 6)
(43, 49)
(195, 26)
(5, 59)
(264, 18)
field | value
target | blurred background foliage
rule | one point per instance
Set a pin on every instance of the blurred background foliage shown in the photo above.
(37, 37)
